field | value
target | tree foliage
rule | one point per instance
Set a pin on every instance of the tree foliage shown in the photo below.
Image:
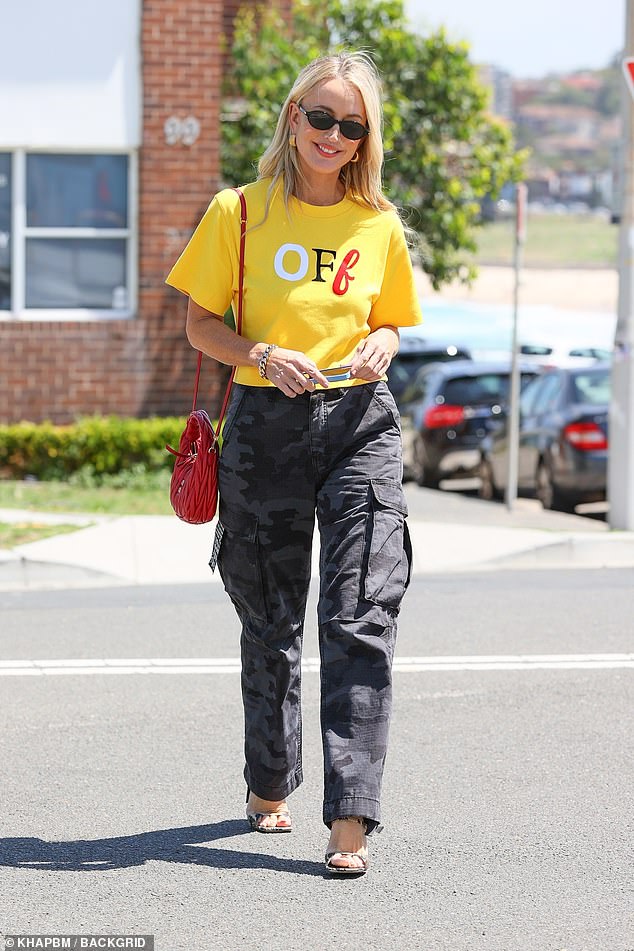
(443, 151)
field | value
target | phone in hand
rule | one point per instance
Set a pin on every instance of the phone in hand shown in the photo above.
(333, 374)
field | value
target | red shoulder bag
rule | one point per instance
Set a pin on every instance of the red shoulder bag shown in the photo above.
(194, 482)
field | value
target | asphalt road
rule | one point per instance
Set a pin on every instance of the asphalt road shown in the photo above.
(507, 799)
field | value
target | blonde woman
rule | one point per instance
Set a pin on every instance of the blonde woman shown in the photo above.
(312, 430)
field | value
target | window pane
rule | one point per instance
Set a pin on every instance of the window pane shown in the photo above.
(5, 231)
(77, 191)
(73, 272)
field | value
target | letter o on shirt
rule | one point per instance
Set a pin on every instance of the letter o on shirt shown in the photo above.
(280, 269)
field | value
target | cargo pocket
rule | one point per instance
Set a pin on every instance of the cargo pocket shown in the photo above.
(388, 547)
(239, 562)
(383, 396)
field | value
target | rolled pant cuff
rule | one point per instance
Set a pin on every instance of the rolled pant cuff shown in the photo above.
(273, 793)
(369, 809)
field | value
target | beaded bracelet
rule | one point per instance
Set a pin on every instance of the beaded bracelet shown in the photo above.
(270, 347)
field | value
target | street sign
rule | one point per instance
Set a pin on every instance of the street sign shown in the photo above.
(628, 70)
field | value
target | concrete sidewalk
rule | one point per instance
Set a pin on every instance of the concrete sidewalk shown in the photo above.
(450, 532)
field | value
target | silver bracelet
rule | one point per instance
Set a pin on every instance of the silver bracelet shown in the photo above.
(270, 347)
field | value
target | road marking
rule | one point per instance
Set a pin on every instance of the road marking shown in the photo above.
(231, 665)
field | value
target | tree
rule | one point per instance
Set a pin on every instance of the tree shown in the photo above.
(443, 151)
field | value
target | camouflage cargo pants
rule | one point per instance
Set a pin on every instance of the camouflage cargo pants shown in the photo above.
(336, 453)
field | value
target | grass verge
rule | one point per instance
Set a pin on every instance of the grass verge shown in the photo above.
(104, 500)
(552, 241)
(21, 533)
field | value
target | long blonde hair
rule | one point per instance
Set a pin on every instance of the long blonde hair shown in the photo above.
(362, 179)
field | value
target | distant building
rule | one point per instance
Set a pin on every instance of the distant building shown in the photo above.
(109, 154)
(571, 145)
(585, 81)
(524, 91)
(553, 119)
(500, 86)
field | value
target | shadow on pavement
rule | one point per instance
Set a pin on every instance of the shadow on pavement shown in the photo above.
(164, 845)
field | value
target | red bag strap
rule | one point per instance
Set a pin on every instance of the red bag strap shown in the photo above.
(243, 234)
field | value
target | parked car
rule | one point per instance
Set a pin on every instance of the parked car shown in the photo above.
(446, 411)
(547, 335)
(563, 445)
(414, 353)
(559, 355)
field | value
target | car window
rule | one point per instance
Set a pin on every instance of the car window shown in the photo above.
(548, 392)
(528, 377)
(535, 350)
(418, 388)
(529, 394)
(596, 353)
(591, 388)
(405, 366)
(399, 373)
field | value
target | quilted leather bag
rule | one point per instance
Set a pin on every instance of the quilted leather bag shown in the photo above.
(194, 482)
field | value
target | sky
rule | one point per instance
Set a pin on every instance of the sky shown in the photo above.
(529, 38)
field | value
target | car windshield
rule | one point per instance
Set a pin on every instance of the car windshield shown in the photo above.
(591, 388)
(487, 389)
(472, 390)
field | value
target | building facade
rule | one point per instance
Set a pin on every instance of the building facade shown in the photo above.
(109, 154)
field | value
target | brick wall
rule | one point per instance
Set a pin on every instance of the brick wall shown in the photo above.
(142, 366)
(182, 77)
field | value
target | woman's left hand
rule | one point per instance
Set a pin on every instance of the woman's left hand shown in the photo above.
(374, 354)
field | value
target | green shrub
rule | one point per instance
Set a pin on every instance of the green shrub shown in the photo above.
(92, 451)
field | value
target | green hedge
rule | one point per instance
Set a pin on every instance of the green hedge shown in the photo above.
(97, 446)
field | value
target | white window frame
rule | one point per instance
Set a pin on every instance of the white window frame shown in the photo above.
(20, 232)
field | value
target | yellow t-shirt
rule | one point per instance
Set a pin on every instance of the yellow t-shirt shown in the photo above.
(318, 280)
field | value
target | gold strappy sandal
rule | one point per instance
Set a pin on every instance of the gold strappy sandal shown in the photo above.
(361, 854)
(255, 820)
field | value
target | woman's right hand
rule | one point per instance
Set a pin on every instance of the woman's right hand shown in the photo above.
(292, 372)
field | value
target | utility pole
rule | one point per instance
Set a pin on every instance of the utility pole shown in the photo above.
(513, 413)
(621, 453)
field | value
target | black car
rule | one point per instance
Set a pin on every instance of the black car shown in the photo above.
(563, 445)
(446, 411)
(414, 353)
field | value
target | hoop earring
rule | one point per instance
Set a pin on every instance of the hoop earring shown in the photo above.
(355, 159)
(292, 140)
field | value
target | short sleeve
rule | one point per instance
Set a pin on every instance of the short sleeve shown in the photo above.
(397, 303)
(207, 268)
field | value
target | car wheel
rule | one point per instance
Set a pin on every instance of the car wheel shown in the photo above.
(422, 475)
(548, 493)
(488, 490)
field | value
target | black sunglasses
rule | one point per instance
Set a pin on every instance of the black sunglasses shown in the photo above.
(323, 120)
